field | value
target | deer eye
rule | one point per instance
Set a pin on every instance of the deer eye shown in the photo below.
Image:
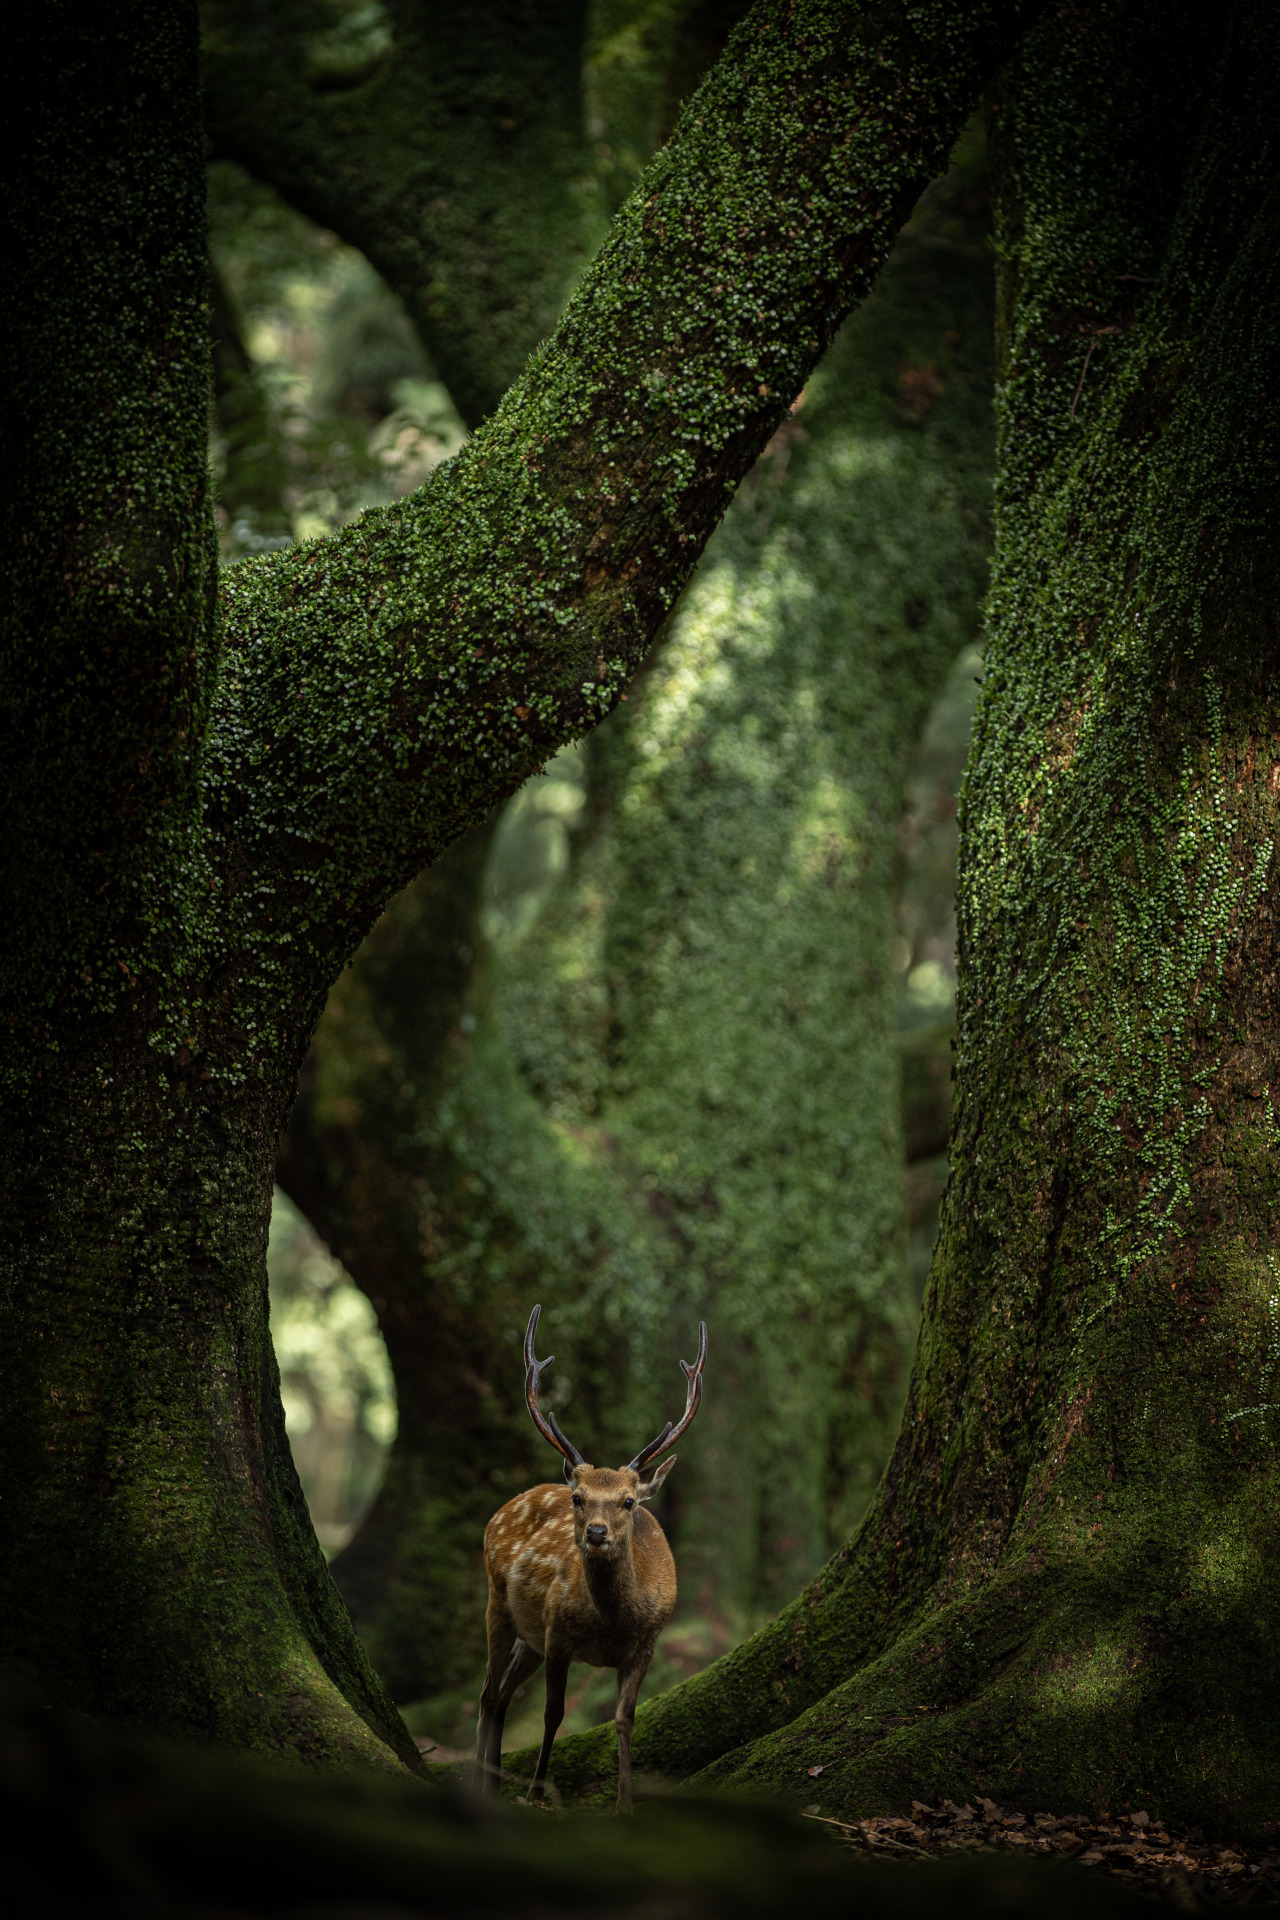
(577, 1500)
(628, 1504)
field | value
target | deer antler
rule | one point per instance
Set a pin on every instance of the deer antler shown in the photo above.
(669, 1435)
(545, 1423)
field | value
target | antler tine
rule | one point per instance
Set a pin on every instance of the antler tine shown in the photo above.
(692, 1400)
(546, 1423)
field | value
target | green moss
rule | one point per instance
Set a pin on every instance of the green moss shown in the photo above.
(108, 653)
(89, 1814)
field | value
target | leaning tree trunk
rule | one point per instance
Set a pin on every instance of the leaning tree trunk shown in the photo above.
(1065, 1594)
(206, 817)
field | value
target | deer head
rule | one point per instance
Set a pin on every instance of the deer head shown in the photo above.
(604, 1503)
(605, 1498)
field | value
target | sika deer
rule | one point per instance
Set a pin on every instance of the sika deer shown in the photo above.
(578, 1572)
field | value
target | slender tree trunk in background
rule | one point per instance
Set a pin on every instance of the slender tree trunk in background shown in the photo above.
(256, 472)
(206, 818)
(1065, 1593)
(739, 910)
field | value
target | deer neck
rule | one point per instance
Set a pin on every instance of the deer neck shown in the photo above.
(611, 1583)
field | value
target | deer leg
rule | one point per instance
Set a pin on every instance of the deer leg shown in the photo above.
(557, 1676)
(522, 1663)
(503, 1641)
(624, 1719)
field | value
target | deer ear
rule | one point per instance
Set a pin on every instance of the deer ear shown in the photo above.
(652, 1478)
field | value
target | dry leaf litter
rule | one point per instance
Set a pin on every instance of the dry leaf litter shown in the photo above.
(1185, 1869)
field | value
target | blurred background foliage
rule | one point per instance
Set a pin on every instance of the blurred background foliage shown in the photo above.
(325, 401)
(335, 1378)
(671, 1036)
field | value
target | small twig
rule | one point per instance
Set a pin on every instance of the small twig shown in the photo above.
(1080, 385)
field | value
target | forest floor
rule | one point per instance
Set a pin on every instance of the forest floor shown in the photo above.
(1185, 1871)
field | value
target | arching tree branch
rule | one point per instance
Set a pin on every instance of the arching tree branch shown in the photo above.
(383, 690)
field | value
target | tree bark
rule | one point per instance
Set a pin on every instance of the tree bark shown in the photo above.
(1064, 1594)
(208, 816)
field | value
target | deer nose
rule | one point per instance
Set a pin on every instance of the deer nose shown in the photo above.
(597, 1534)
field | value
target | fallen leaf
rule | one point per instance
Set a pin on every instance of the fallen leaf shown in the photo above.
(814, 1772)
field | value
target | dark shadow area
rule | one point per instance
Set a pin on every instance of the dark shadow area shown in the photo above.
(94, 1824)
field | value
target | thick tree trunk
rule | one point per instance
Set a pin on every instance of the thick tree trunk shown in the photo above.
(1065, 1593)
(147, 1474)
(156, 1560)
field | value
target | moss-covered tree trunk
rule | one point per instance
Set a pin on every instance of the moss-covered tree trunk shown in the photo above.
(156, 1559)
(1065, 1594)
(205, 816)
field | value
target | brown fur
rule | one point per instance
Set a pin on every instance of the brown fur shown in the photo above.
(561, 1589)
